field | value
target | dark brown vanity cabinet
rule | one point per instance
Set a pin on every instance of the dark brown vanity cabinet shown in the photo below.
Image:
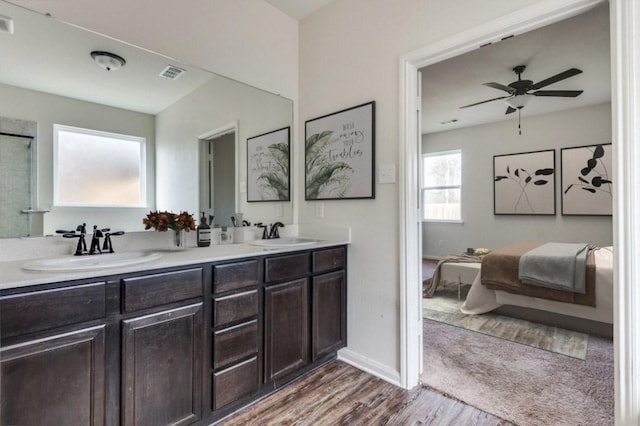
(329, 302)
(303, 326)
(236, 329)
(183, 345)
(52, 359)
(162, 349)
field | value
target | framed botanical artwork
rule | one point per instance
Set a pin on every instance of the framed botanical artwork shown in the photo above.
(586, 179)
(340, 154)
(524, 184)
(268, 164)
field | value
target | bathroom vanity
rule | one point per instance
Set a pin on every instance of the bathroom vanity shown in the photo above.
(182, 344)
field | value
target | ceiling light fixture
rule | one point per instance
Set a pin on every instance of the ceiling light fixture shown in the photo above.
(518, 102)
(108, 61)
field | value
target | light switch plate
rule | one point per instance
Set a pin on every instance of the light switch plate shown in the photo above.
(279, 210)
(319, 209)
(243, 187)
(387, 173)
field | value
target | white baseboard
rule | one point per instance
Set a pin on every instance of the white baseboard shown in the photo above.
(370, 366)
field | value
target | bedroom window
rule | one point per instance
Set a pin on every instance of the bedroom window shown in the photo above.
(98, 169)
(441, 186)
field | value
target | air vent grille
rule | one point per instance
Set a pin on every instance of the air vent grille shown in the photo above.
(6, 24)
(172, 72)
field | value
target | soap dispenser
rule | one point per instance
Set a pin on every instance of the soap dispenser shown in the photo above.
(203, 232)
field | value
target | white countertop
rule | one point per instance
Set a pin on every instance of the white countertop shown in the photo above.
(13, 276)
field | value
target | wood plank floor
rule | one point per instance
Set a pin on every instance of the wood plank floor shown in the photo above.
(339, 394)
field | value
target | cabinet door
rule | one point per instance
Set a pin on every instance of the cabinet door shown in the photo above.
(328, 324)
(58, 380)
(162, 367)
(286, 328)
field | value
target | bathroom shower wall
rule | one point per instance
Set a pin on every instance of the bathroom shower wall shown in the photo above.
(17, 154)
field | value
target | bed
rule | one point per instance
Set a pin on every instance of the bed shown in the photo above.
(598, 308)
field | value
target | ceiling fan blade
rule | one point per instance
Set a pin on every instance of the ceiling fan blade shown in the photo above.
(565, 74)
(500, 87)
(484, 102)
(562, 93)
(510, 110)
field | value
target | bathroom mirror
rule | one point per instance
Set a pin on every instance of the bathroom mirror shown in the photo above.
(48, 76)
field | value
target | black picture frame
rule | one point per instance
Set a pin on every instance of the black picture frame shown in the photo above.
(586, 180)
(524, 183)
(268, 166)
(340, 154)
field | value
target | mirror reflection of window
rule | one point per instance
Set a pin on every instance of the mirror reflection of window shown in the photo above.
(93, 168)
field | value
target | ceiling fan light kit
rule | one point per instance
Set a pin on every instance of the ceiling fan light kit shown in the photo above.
(520, 92)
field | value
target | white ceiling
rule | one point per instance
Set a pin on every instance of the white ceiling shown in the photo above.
(298, 9)
(581, 42)
(47, 55)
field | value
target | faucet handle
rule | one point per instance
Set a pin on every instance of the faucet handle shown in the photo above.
(274, 233)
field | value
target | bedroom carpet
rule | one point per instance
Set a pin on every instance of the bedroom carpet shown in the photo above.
(524, 385)
(445, 307)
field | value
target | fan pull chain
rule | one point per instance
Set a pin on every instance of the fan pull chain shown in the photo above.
(519, 128)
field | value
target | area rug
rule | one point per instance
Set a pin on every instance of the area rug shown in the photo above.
(524, 385)
(445, 307)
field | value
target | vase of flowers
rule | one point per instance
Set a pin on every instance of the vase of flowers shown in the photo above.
(178, 223)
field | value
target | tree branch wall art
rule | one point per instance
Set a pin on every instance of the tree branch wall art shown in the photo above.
(524, 183)
(587, 180)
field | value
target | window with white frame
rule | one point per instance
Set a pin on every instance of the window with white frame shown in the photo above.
(442, 186)
(92, 168)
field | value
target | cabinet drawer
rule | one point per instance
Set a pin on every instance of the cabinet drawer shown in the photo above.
(45, 309)
(234, 276)
(286, 267)
(161, 289)
(230, 309)
(235, 343)
(235, 383)
(329, 259)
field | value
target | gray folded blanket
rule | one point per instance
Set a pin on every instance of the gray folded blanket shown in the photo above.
(561, 266)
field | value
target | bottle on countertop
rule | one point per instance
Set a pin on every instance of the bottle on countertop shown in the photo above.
(203, 232)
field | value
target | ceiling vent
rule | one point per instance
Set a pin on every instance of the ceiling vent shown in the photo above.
(172, 72)
(6, 24)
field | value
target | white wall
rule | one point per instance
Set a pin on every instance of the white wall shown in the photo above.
(47, 110)
(575, 127)
(349, 53)
(217, 103)
(247, 40)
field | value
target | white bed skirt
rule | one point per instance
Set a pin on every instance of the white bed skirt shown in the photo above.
(480, 299)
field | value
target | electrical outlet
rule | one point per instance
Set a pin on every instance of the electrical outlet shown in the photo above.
(243, 187)
(440, 243)
(319, 209)
(279, 210)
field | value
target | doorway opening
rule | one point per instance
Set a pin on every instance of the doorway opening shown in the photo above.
(625, 23)
(218, 175)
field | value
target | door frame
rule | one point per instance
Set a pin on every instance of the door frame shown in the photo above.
(625, 106)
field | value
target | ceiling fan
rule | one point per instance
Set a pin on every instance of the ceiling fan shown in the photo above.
(520, 92)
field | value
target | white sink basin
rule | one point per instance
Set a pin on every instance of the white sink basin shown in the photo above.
(90, 262)
(284, 242)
